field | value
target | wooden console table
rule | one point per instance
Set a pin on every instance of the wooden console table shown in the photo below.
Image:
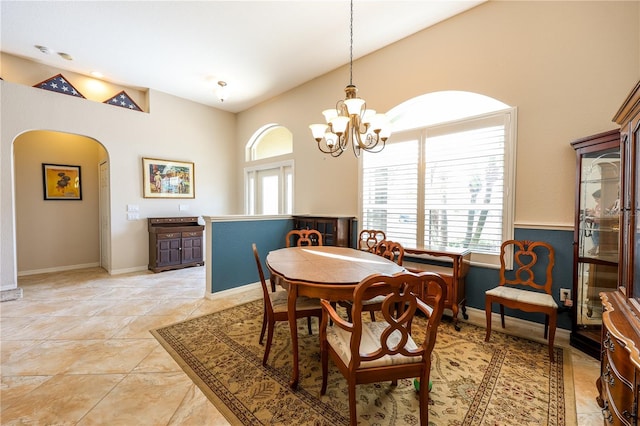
(453, 274)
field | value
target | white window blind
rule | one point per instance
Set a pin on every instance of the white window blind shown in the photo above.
(464, 184)
(390, 191)
(444, 186)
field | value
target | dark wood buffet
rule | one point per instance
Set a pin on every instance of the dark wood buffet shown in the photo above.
(174, 243)
(335, 230)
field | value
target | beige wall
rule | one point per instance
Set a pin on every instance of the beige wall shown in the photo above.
(55, 233)
(566, 66)
(174, 129)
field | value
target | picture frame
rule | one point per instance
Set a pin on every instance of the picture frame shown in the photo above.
(168, 178)
(61, 182)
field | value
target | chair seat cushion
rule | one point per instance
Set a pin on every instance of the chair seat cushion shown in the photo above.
(524, 296)
(339, 339)
(279, 300)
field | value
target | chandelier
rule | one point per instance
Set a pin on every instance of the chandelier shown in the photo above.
(350, 122)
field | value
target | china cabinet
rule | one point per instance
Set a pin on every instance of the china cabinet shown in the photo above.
(619, 381)
(596, 235)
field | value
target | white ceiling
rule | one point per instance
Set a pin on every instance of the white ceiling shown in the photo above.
(260, 48)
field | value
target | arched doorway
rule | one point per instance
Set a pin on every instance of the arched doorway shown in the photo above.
(60, 234)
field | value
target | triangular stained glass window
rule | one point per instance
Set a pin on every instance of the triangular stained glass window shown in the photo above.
(59, 84)
(124, 101)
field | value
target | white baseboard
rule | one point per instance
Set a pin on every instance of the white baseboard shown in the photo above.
(233, 291)
(58, 269)
(127, 270)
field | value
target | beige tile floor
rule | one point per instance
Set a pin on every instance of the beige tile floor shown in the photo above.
(76, 350)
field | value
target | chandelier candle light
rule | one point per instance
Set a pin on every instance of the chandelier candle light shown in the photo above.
(350, 122)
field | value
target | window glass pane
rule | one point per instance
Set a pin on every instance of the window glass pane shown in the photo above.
(271, 141)
(269, 193)
(269, 189)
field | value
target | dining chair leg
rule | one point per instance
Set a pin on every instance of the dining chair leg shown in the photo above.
(502, 314)
(423, 397)
(487, 310)
(324, 358)
(373, 316)
(267, 348)
(264, 326)
(309, 325)
(353, 417)
(546, 325)
(552, 334)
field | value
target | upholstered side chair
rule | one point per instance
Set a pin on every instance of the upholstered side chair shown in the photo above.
(527, 286)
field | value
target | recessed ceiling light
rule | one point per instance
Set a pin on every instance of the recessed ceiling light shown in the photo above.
(65, 56)
(97, 74)
(43, 49)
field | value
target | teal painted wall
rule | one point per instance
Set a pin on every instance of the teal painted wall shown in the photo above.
(232, 261)
(233, 264)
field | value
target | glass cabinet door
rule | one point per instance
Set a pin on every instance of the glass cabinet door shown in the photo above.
(596, 237)
(634, 219)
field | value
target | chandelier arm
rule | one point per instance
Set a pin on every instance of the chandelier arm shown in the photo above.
(345, 138)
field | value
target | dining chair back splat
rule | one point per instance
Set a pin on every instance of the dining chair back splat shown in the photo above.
(368, 239)
(371, 352)
(275, 308)
(303, 237)
(527, 287)
(299, 238)
(389, 250)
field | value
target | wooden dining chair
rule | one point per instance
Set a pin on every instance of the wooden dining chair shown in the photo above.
(303, 237)
(371, 352)
(298, 238)
(368, 239)
(276, 309)
(389, 250)
(527, 286)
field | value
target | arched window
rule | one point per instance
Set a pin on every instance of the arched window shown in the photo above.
(445, 177)
(271, 140)
(269, 186)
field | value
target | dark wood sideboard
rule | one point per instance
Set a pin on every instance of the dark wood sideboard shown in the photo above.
(335, 230)
(175, 243)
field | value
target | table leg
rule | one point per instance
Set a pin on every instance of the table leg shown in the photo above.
(293, 326)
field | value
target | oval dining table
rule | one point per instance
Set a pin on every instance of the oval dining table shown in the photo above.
(325, 272)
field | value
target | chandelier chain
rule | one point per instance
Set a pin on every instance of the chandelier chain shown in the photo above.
(351, 47)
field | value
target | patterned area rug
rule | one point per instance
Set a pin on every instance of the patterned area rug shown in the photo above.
(508, 381)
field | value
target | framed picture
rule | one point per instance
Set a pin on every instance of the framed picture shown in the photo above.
(167, 178)
(61, 182)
